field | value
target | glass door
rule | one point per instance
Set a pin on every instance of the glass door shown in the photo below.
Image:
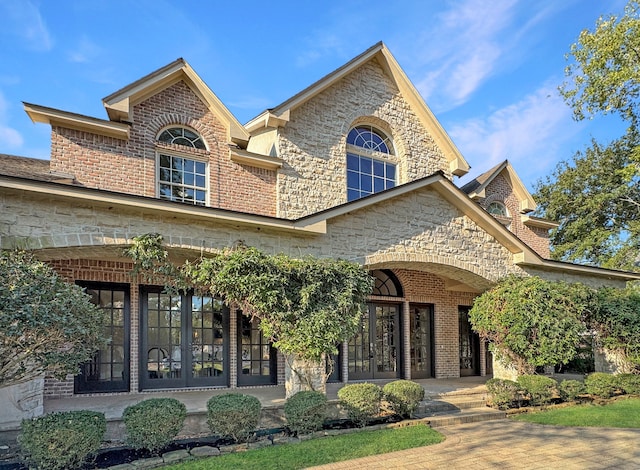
(185, 340)
(421, 341)
(469, 345)
(374, 351)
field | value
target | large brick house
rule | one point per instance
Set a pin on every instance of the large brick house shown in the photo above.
(355, 166)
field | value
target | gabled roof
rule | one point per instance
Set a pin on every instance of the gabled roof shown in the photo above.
(120, 104)
(476, 187)
(279, 116)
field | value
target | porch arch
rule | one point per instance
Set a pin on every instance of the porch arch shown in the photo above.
(458, 273)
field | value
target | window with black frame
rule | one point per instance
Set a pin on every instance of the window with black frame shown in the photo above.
(108, 370)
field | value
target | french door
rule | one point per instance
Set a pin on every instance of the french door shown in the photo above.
(184, 341)
(421, 340)
(469, 345)
(374, 353)
(108, 370)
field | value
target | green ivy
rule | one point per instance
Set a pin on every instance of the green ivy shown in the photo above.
(306, 306)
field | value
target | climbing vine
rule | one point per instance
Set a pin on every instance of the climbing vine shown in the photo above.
(307, 306)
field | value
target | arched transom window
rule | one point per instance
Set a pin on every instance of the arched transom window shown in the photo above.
(386, 284)
(181, 178)
(368, 171)
(497, 208)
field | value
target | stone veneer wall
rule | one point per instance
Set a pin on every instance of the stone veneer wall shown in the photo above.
(313, 143)
(130, 166)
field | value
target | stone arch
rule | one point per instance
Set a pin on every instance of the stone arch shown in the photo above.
(473, 275)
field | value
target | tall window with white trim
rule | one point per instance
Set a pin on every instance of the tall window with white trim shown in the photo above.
(181, 178)
(368, 169)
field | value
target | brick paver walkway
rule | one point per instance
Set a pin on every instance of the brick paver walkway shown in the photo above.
(507, 444)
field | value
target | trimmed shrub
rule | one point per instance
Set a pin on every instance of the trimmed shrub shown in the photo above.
(361, 401)
(62, 440)
(403, 396)
(153, 423)
(233, 415)
(571, 389)
(629, 383)
(503, 394)
(306, 411)
(538, 388)
(601, 385)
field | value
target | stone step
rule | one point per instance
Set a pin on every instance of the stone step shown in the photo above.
(473, 415)
(438, 406)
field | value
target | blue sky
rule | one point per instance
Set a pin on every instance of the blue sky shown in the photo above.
(488, 69)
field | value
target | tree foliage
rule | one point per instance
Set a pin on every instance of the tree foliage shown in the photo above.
(616, 320)
(47, 325)
(604, 76)
(595, 200)
(596, 196)
(531, 322)
(306, 306)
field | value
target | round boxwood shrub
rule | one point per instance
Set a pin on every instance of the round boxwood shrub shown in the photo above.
(601, 384)
(503, 394)
(361, 401)
(571, 389)
(629, 383)
(403, 396)
(538, 388)
(306, 411)
(61, 440)
(153, 423)
(233, 415)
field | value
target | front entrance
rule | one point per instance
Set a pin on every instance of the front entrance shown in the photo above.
(184, 342)
(374, 351)
(469, 345)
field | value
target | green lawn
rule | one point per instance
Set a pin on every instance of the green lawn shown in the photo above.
(624, 413)
(321, 450)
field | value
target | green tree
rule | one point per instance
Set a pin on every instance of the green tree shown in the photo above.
(47, 325)
(596, 196)
(616, 321)
(596, 203)
(531, 322)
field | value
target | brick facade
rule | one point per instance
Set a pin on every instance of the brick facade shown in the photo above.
(130, 166)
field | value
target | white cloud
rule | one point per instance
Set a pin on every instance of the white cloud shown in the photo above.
(462, 50)
(8, 136)
(23, 20)
(529, 133)
(85, 51)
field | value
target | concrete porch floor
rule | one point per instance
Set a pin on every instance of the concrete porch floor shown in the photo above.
(270, 396)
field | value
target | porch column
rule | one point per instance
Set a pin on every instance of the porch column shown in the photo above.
(406, 343)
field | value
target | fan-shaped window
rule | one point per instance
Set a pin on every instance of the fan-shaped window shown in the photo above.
(182, 136)
(180, 178)
(367, 170)
(497, 208)
(386, 284)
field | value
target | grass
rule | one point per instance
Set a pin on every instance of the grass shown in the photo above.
(624, 413)
(321, 450)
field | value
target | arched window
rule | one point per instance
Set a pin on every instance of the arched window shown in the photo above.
(368, 170)
(182, 136)
(386, 283)
(181, 178)
(497, 208)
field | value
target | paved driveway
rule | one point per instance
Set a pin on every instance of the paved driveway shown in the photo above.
(507, 444)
